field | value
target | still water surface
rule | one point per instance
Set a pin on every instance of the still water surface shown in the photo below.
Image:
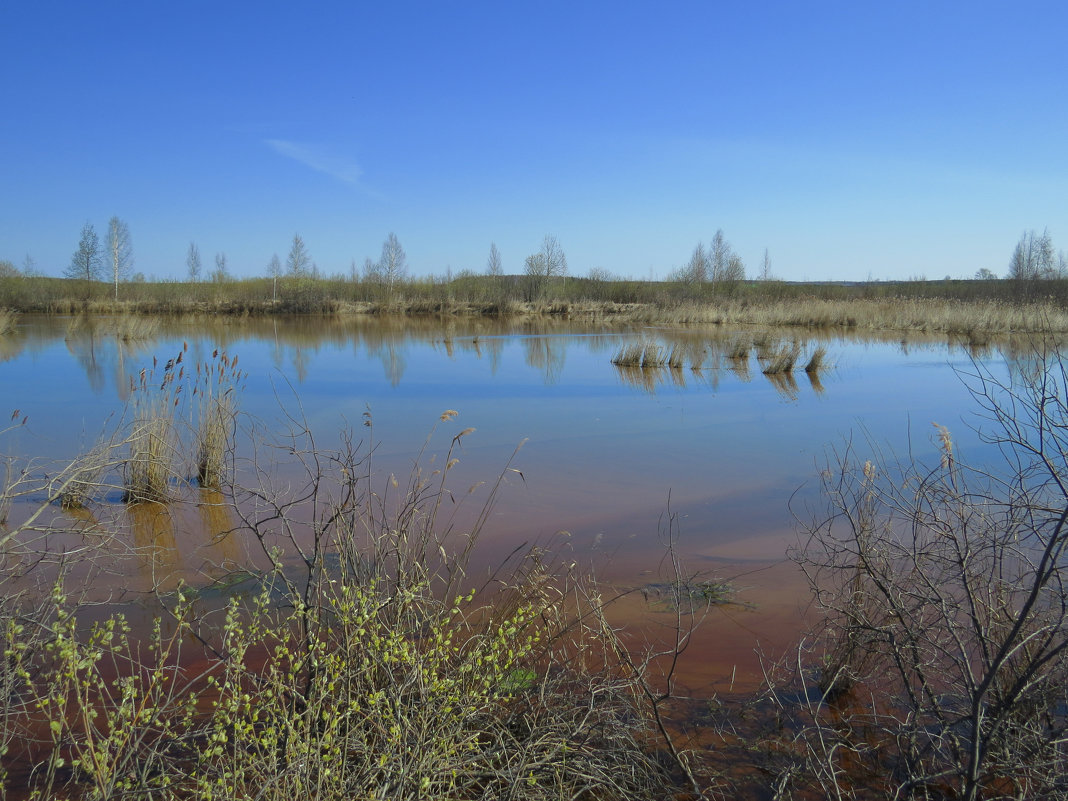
(607, 453)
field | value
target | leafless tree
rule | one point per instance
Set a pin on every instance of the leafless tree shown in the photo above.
(298, 262)
(371, 272)
(393, 264)
(718, 256)
(220, 274)
(193, 262)
(120, 251)
(274, 270)
(493, 263)
(542, 267)
(765, 267)
(85, 264)
(696, 270)
(735, 269)
(1033, 257)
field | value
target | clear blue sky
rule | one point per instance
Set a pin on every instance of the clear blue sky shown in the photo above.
(850, 139)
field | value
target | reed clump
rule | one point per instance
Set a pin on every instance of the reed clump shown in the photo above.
(217, 382)
(782, 359)
(630, 355)
(154, 443)
(149, 469)
(647, 355)
(817, 361)
(738, 349)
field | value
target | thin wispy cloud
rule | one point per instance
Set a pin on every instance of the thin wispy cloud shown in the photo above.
(337, 167)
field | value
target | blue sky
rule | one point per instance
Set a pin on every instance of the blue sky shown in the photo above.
(850, 139)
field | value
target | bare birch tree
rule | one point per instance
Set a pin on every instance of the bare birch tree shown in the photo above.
(274, 270)
(393, 264)
(120, 251)
(719, 254)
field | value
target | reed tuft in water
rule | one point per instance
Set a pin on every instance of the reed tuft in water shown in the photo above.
(217, 382)
(150, 465)
(782, 359)
(817, 361)
(646, 355)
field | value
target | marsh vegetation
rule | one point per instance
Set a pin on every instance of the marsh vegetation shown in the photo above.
(294, 615)
(977, 309)
(357, 652)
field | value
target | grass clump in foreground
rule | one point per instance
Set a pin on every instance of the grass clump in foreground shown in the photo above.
(369, 664)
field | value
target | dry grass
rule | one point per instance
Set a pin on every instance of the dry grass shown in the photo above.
(646, 355)
(817, 361)
(738, 349)
(629, 355)
(781, 359)
(152, 439)
(217, 383)
(969, 319)
(149, 468)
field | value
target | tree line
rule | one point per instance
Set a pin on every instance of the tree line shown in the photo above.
(714, 269)
(113, 260)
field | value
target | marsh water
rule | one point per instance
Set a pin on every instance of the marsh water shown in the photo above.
(609, 455)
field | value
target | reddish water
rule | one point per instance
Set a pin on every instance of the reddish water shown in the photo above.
(607, 453)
